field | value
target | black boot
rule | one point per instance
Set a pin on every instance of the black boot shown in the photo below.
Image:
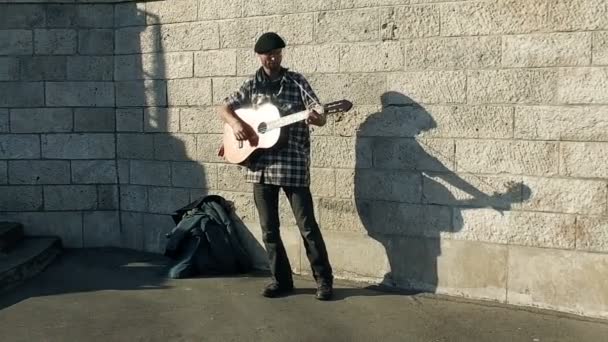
(274, 289)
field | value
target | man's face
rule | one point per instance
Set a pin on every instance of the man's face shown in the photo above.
(272, 60)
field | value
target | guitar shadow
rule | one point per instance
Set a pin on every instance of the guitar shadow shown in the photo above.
(408, 196)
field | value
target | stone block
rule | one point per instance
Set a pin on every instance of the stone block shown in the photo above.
(453, 53)
(207, 147)
(107, 197)
(430, 86)
(135, 146)
(555, 49)
(167, 200)
(70, 197)
(11, 94)
(327, 59)
(498, 17)
(155, 228)
(477, 122)
(132, 230)
(190, 36)
(242, 203)
(4, 172)
(562, 123)
(16, 42)
(96, 42)
(411, 154)
(21, 198)
(247, 62)
(94, 172)
(153, 66)
(80, 94)
(189, 92)
(347, 26)
(263, 7)
(136, 40)
(361, 89)
(41, 120)
(323, 182)
(9, 69)
(21, 16)
(81, 15)
(409, 22)
(219, 9)
(585, 159)
(194, 175)
(583, 85)
(90, 68)
(201, 120)
(340, 215)
(39, 172)
(232, 178)
(178, 12)
(141, 94)
(176, 147)
(133, 198)
(78, 146)
(295, 29)
(600, 48)
(243, 33)
(514, 157)
(512, 86)
(94, 120)
(564, 195)
(129, 120)
(592, 233)
(146, 172)
(482, 225)
(340, 152)
(367, 120)
(19, 146)
(161, 119)
(371, 57)
(223, 87)
(66, 225)
(101, 229)
(215, 63)
(382, 218)
(393, 185)
(553, 279)
(43, 68)
(345, 183)
(55, 42)
(4, 116)
(577, 15)
(123, 171)
(130, 14)
(373, 3)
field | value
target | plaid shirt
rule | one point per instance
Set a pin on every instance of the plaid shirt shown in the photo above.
(287, 163)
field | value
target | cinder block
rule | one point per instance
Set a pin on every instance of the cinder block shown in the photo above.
(21, 198)
(94, 172)
(161, 119)
(78, 146)
(137, 39)
(176, 147)
(512, 86)
(189, 92)
(11, 94)
(123, 171)
(21, 16)
(361, 89)
(371, 57)
(70, 197)
(323, 182)
(39, 172)
(219, 9)
(207, 147)
(4, 120)
(583, 85)
(154, 66)
(107, 197)
(577, 15)
(4, 172)
(215, 63)
(66, 225)
(178, 12)
(339, 152)
(154, 231)
(262, 7)
(101, 229)
(430, 86)
(133, 198)
(347, 26)
(600, 48)
(584, 159)
(592, 233)
(132, 230)
(469, 122)
(135, 146)
(327, 58)
(55, 42)
(222, 87)
(167, 200)
(232, 178)
(9, 69)
(578, 123)
(453, 53)
(129, 120)
(409, 22)
(514, 157)
(247, 62)
(243, 33)
(16, 42)
(81, 15)
(194, 175)
(141, 94)
(96, 42)
(130, 14)
(556, 49)
(41, 120)
(201, 120)
(94, 120)
(552, 279)
(19, 146)
(43, 68)
(190, 37)
(295, 28)
(80, 94)
(90, 68)
(150, 173)
(388, 185)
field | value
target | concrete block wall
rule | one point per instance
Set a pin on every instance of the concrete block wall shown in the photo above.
(472, 164)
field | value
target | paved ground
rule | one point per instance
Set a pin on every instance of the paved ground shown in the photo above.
(117, 295)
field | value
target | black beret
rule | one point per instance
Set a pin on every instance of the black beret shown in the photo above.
(269, 41)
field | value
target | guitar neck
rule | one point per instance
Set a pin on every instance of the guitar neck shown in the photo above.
(287, 120)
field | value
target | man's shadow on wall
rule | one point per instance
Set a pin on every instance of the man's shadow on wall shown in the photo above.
(400, 194)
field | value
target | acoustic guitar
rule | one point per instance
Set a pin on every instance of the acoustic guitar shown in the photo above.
(267, 122)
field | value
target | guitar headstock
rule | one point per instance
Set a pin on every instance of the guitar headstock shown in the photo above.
(337, 106)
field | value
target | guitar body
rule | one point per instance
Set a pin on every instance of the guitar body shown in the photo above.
(237, 152)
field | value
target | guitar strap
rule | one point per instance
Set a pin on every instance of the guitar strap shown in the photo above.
(313, 100)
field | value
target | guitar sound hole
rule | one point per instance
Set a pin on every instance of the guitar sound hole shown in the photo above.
(262, 128)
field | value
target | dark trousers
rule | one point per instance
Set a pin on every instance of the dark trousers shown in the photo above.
(266, 198)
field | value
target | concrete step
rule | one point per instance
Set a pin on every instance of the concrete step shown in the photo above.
(28, 258)
(11, 233)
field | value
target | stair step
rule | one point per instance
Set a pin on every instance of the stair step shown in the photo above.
(30, 257)
(11, 233)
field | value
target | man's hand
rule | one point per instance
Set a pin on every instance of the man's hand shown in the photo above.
(242, 131)
(315, 118)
